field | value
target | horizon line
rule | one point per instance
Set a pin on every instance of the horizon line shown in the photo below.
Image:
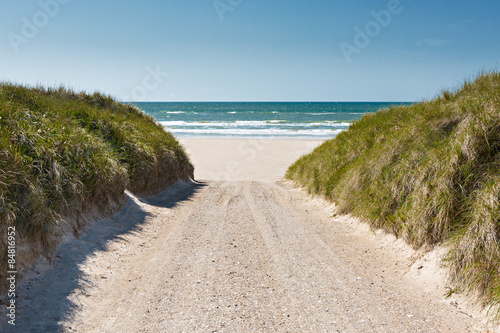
(268, 101)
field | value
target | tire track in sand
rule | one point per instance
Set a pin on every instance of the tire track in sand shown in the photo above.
(236, 257)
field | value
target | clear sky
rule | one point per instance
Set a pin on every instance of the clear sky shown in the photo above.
(250, 50)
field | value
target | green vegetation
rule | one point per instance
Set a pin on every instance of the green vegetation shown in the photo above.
(429, 173)
(65, 154)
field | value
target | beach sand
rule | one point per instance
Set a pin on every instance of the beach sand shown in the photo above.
(232, 159)
(245, 255)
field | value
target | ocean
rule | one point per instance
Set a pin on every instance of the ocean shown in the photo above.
(258, 119)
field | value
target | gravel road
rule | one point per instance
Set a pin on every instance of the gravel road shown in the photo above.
(230, 257)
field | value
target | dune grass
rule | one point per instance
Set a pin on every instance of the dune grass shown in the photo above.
(428, 173)
(66, 154)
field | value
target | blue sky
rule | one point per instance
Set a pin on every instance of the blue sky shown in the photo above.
(242, 50)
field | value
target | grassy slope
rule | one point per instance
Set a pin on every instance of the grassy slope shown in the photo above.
(64, 154)
(429, 173)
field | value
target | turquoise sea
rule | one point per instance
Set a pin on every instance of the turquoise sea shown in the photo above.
(258, 119)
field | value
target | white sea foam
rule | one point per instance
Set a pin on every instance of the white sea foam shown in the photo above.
(173, 123)
(320, 113)
(326, 123)
(257, 132)
(249, 123)
(194, 123)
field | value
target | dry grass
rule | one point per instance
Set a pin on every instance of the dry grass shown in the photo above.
(428, 173)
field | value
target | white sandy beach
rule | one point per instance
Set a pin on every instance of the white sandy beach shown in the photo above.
(245, 159)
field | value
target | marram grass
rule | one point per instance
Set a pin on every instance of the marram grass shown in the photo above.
(428, 173)
(65, 154)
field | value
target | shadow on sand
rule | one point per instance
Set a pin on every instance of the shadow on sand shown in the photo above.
(43, 298)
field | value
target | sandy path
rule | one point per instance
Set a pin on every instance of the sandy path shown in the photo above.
(231, 257)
